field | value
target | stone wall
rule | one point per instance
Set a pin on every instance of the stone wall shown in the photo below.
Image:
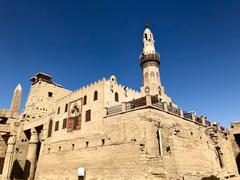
(3, 149)
(40, 102)
(234, 137)
(113, 154)
(140, 142)
(127, 147)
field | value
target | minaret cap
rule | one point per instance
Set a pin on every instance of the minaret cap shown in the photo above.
(147, 23)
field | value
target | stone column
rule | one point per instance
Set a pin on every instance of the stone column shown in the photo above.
(148, 100)
(8, 162)
(193, 116)
(203, 119)
(165, 106)
(124, 108)
(181, 113)
(32, 155)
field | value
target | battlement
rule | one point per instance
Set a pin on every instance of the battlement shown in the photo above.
(83, 88)
(113, 79)
(96, 83)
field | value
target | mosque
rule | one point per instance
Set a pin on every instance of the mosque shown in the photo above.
(107, 131)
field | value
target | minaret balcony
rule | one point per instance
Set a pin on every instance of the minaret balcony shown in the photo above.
(149, 58)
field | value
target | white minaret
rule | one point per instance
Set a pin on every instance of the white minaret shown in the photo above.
(16, 99)
(148, 42)
(150, 61)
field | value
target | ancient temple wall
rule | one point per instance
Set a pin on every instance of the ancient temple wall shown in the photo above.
(127, 145)
(3, 149)
(234, 137)
(41, 99)
(193, 149)
(124, 144)
(116, 153)
(94, 125)
(20, 154)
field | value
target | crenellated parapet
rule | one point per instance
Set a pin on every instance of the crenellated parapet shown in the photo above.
(84, 88)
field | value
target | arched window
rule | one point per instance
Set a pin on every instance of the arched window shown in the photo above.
(56, 125)
(64, 125)
(146, 77)
(50, 128)
(66, 107)
(145, 36)
(58, 110)
(85, 100)
(116, 97)
(95, 96)
(152, 76)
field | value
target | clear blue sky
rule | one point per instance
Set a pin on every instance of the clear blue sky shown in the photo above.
(78, 42)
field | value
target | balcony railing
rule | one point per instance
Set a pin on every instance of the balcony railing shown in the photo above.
(174, 110)
(114, 109)
(208, 123)
(155, 102)
(146, 57)
(187, 115)
(199, 120)
(136, 103)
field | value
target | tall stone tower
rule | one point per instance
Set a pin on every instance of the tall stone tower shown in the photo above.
(16, 100)
(150, 61)
(42, 96)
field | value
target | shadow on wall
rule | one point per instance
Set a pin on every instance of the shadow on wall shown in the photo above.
(238, 162)
(1, 164)
(27, 169)
(211, 178)
(17, 171)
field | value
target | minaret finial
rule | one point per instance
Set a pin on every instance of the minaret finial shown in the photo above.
(147, 23)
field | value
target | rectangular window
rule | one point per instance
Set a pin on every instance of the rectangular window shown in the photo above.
(57, 126)
(75, 122)
(88, 115)
(64, 125)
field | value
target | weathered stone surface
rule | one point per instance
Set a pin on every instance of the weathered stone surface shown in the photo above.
(114, 133)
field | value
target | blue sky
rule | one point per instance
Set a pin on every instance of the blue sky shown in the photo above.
(78, 42)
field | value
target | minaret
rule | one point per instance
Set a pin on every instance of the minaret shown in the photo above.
(150, 61)
(16, 100)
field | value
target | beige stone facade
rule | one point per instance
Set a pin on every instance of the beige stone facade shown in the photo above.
(108, 131)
